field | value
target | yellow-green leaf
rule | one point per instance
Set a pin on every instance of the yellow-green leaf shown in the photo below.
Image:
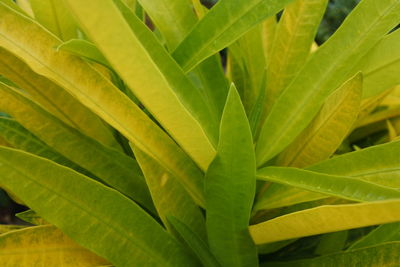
(111, 166)
(325, 219)
(327, 131)
(44, 246)
(103, 220)
(291, 47)
(169, 196)
(54, 15)
(97, 93)
(328, 67)
(55, 99)
(151, 73)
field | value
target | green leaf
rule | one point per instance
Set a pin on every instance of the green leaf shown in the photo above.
(169, 196)
(292, 43)
(378, 256)
(332, 242)
(329, 67)
(221, 26)
(175, 20)
(142, 62)
(31, 217)
(380, 65)
(382, 234)
(46, 246)
(248, 51)
(84, 49)
(325, 219)
(377, 164)
(230, 187)
(111, 166)
(19, 137)
(55, 99)
(197, 244)
(128, 238)
(338, 186)
(97, 93)
(328, 129)
(54, 15)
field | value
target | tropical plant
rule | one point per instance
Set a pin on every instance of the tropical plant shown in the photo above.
(133, 144)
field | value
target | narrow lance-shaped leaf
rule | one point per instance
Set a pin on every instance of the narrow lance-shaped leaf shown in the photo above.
(111, 166)
(169, 196)
(46, 246)
(230, 188)
(129, 238)
(142, 62)
(19, 137)
(199, 247)
(380, 65)
(291, 47)
(327, 131)
(326, 70)
(175, 19)
(54, 15)
(84, 49)
(377, 256)
(249, 52)
(55, 99)
(97, 93)
(221, 26)
(325, 219)
(382, 234)
(377, 164)
(337, 186)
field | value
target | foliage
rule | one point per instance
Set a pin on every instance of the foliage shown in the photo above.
(134, 145)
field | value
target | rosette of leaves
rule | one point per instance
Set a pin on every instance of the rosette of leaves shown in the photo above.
(135, 147)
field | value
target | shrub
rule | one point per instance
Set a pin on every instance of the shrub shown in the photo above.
(133, 146)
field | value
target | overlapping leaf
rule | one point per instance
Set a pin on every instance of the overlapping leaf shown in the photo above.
(128, 238)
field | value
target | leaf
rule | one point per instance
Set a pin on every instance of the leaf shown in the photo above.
(4, 228)
(31, 217)
(382, 255)
(142, 62)
(328, 129)
(43, 245)
(221, 26)
(291, 46)
(169, 196)
(21, 138)
(96, 92)
(84, 49)
(111, 166)
(55, 99)
(325, 219)
(175, 20)
(332, 242)
(55, 16)
(230, 187)
(326, 70)
(196, 243)
(338, 186)
(249, 52)
(378, 164)
(380, 65)
(382, 234)
(128, 238)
